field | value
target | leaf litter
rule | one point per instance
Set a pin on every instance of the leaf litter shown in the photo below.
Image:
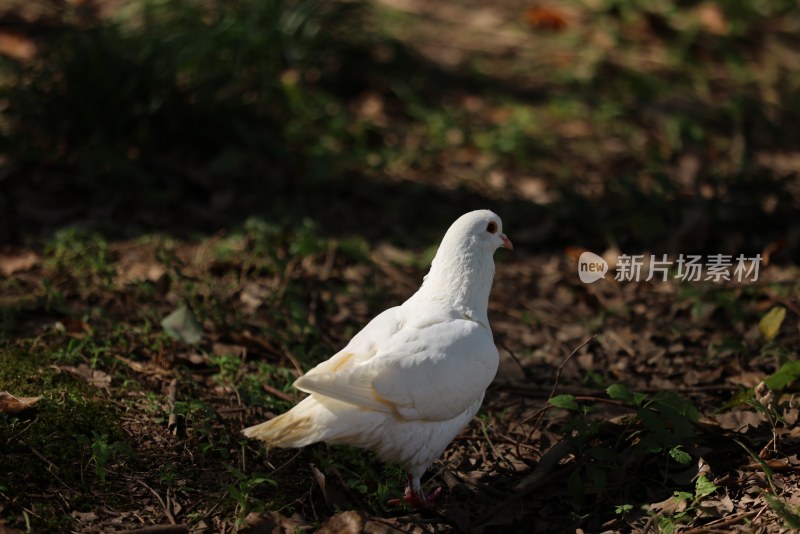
(251, 325)
(503, 447)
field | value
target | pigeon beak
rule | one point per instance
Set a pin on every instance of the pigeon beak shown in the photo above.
(506, 242)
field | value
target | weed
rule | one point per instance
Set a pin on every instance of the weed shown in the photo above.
(103, 452)
(685, 504)
(241, 490)
(81, 255)
(659, 427)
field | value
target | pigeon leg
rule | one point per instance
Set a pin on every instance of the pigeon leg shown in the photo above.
(414, 496)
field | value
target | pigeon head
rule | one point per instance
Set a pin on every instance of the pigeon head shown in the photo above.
(462, 271)
(478, 228)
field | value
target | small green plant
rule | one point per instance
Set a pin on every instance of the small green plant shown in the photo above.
(790, 514)
(685, 504)
(83, 255)
(103, 452)
(657, 429)
(169, 474)
(241, 490)
(622, 509)
(373, 480)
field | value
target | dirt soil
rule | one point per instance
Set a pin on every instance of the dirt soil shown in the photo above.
(131, 365)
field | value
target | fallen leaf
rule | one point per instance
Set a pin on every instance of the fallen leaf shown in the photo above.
(11, 262)
(770, 249)
(771, 322)
(11, 404)
(8, 530)
(546, 18)
(717, 506)
(350, 522)
(95, 377)
(182, 325)
(738, 420)
(712, 18)
(194, 358)
(670, 505)
(140, 272)
(16, 302)
(267, 523)
(790, 415)
(17, 45)
(253, 296)
(73, 327)
(84, 517)
(224, 349)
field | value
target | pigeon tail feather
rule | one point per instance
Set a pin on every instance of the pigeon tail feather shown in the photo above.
(295, 428)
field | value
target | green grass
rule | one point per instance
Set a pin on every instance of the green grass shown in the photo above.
(258, 152)
(50, 446)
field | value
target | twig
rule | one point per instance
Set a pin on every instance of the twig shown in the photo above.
(159, 529)
(560, 369)
(285, 279)
(547, 463)
(564, 363)
(320, 478)
(510, 352)
(760, 512)
(275, 392)
(533, 391)
(621, 342)
(291, 358)
(175, 423)
(287, 462)
(534, 485)
(353, 497)
(722, 522)
(785, 302)
(18, 434)
(167, 511)
(51, 467)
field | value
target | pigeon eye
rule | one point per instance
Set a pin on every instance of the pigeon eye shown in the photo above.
(492, 227)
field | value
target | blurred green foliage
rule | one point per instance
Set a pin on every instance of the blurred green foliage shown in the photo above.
(657, 124)
(177, 92)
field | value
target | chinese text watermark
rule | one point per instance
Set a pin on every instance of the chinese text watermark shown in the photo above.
(686, 267)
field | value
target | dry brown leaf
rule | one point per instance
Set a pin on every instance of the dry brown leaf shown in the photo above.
(389, 526)
(253, 296)
(8, 530)
(748, 379)
(717, 506)
(670, 505)
(73, 327)
(11, 404)
(713, 19)
(95, 377)
(790, 415)
(225, 349)
(546, 18)
(738, 420)
(84, 517)
(13, 262)
(193, 358)
(270, 523)
(138, 264)
(350, 522)
(692, 377)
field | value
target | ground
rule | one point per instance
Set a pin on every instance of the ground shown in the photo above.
(145, 323)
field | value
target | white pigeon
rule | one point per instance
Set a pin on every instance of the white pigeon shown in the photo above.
(408, 382)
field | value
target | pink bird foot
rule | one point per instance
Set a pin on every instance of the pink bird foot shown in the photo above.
(417, 500)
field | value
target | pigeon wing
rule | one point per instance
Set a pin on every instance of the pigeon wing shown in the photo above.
(430, 373)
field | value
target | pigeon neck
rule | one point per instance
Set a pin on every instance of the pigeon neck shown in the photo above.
(461, 279)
